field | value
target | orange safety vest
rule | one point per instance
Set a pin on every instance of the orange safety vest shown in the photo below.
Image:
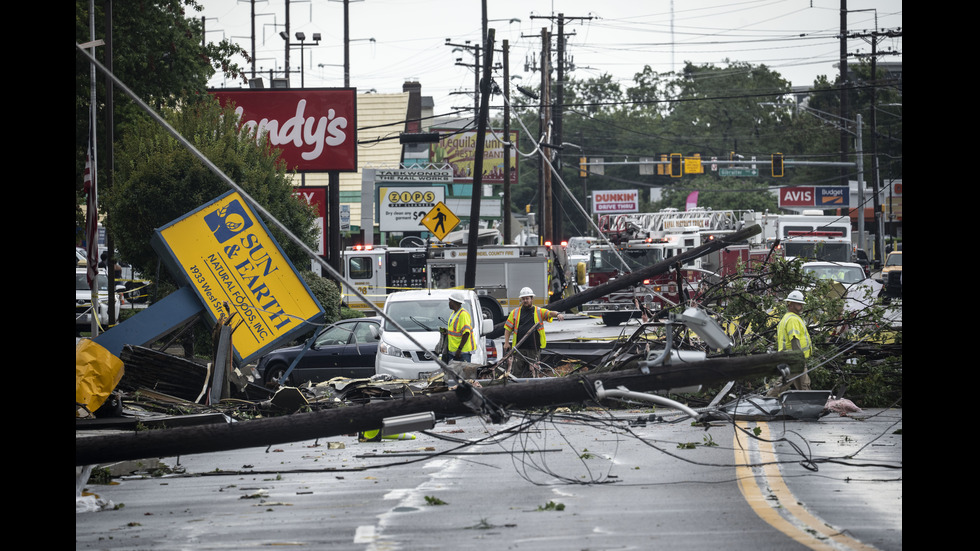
(514, 321)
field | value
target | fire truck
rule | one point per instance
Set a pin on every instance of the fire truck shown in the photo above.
(639, 240)
(501, 272)
(811, 235)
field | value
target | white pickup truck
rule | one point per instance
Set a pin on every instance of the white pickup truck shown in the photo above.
(422, 313)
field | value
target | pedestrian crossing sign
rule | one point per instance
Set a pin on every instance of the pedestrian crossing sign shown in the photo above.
(440, 220)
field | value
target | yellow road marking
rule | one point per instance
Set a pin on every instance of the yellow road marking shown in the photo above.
(778, 506)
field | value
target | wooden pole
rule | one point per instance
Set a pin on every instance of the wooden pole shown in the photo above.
(92, 450)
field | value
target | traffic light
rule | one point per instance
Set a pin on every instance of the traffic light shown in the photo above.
(583, 171)
(676, 167)
(777, 165)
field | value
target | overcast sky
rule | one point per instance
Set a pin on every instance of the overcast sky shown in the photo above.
(797, 38)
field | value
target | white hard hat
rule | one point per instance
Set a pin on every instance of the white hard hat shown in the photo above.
(526, 292)
(795, 296)
(457, 296)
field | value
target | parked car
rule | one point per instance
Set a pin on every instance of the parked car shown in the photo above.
(422, 314)
(344, 349)
(891, 275)
(855, 287)
(83, 300)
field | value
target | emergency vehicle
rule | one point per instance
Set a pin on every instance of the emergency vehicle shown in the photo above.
(501, 272)
(810, 235)
(640, 240)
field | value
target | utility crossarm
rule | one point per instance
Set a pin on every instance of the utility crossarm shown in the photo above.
(786, 162)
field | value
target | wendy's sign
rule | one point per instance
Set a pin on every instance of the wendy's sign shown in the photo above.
(316, 129)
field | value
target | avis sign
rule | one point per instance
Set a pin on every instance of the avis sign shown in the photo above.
(225, 253)
(316, 129)
(821, 197)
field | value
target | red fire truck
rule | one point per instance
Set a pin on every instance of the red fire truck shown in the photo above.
(637, 241)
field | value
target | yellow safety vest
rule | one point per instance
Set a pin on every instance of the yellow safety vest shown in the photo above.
(460, 323)
(789, 328)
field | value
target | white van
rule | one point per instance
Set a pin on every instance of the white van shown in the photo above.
(422, 313)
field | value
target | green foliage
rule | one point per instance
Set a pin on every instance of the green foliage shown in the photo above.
(711, 110)
(720, 194)
(853, 348)
(159, 53)
(432, 500)
(100, 475)
(552, 506)
(326, 292)
(158, 180)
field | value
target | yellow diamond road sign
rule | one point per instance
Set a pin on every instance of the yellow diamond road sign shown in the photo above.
(440, 220)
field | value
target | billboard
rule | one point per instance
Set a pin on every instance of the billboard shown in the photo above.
(613, 201)
(458, 149)
(316, 129)
(402, 208)
(316, 196)
(821, 197)
(225, 253)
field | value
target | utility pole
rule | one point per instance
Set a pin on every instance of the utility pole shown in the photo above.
(843, 89)
(285, 37)
(476, 194)
(475, 48)
(506, 206)
(545, 223)
(874, 38)
(557, 116)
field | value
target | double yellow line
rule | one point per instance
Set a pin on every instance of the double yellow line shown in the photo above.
(766, 492)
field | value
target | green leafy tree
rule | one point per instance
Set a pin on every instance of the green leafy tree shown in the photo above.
(158, 51)
(159, 180)
(720, 194)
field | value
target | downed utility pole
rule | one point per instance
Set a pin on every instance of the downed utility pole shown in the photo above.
(93, 450)
(661, 267)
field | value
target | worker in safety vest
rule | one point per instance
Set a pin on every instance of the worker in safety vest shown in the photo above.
(459, 333)
(792, 334)
(522, 320)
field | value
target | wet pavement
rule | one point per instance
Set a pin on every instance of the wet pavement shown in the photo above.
(585, 479)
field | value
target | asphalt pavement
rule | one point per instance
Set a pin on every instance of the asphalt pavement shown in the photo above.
(589, 479)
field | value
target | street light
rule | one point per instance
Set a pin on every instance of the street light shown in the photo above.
(301, 36)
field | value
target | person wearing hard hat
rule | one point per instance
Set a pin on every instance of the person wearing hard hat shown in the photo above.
(459, 334)
(792, 334)
(523, 320)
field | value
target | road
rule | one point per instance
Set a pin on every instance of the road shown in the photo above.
(590, 479)
(576, 480)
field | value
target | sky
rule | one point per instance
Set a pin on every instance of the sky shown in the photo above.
(393, 41)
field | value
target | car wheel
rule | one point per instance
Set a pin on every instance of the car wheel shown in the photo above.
(274, 373)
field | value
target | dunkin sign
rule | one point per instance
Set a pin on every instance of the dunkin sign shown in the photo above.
(316, 129)
(622, 200)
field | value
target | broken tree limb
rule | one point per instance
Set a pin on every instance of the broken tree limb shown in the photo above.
(92, 450)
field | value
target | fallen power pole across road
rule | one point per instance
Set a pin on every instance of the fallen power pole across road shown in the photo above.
(661, 267)
(93, 450)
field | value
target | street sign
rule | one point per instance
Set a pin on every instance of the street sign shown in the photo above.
(738, 172)
(440, 220)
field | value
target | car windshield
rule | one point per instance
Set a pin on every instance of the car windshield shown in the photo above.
(101, 281)
(418, 316)
(894, 260)
(843, 274)
(607, 260)
(338, 334)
